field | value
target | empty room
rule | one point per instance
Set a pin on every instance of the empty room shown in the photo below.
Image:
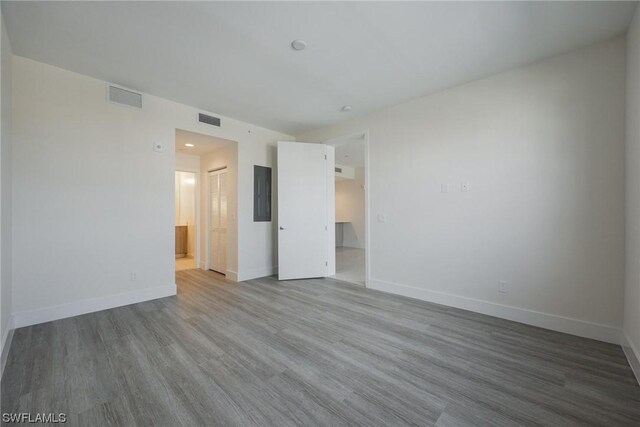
(320, 213)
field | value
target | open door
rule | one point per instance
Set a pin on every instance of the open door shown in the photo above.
(306, 210)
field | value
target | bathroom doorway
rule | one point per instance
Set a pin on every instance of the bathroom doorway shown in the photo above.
(185, 219)
(206, 181)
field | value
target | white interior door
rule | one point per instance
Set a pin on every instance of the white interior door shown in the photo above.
(218, 221)
(306, 213)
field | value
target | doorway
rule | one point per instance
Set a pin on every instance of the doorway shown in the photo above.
(212, 164)
(185, 220)
(351, 207)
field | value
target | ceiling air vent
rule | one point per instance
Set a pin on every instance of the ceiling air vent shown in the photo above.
(210, 120)
(122, 96)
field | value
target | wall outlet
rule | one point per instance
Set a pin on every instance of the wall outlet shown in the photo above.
(502, 287)
(134, 276)
(464, 187)
(382, 218)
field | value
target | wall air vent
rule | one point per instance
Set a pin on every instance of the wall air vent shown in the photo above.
(339, 170)
(123, 96)
(210, 120)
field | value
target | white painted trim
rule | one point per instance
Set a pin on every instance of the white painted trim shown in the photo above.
(48, 314)
(367, 213)
(330, 210)
(256, 273)
(581, 328)
(232, 275)
(7, 338)
(633, 355)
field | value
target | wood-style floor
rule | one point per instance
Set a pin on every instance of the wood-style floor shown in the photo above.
(312, 352)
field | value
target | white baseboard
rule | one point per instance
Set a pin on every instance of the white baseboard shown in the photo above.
(256, 273)
(7, 338)
(633, 355)
(352, 246)
(76, 308)
(568, 325)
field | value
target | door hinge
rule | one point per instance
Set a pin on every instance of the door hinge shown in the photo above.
(325, 157)
(326, 228)
(326, 263)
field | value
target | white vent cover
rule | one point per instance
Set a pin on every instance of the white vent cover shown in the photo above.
(122, 96)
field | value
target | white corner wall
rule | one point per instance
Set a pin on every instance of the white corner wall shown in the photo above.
(542, 147)
(631, 338)
(6, 310)
(93, 202)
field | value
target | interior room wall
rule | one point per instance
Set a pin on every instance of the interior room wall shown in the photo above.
(185, 208)
(93, 203)
(257, 237)
(632, 288)
(542, 148)
(350, 208)
(6, 320)
(223, 157)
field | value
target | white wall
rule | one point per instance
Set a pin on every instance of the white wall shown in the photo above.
(5, 193)
(632, 289)
(350, 208)
(93, 202)
(187, 162)
(542, 147)
(223, 157)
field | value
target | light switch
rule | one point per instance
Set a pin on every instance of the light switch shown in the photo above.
(502, 287)
(444, 188)
(382, 218)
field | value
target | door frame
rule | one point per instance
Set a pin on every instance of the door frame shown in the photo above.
(207, 237)
(367, 219)
(196, 255)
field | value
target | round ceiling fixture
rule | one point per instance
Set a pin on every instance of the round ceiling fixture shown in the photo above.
(189, 145)
(298, 44)
(346, 108)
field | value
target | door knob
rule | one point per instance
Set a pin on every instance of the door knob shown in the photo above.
(282, 228)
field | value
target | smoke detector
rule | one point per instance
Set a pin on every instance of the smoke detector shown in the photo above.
(298, 44)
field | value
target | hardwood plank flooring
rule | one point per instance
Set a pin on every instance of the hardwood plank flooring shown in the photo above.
(311, 352)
